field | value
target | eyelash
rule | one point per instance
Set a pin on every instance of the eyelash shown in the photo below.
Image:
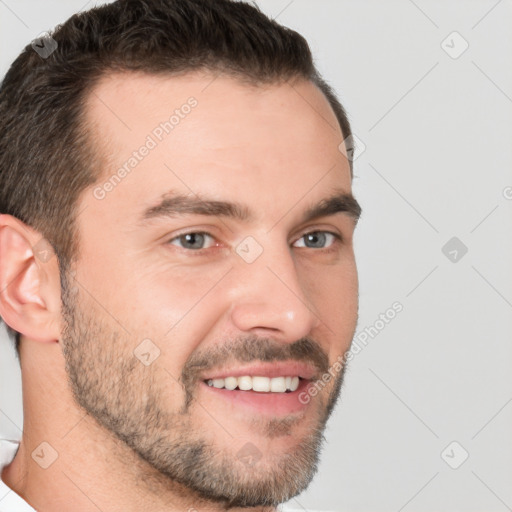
(337, 240)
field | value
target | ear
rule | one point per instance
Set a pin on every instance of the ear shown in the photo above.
(29, 281)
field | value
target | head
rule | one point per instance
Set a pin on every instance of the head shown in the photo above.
(175, 165)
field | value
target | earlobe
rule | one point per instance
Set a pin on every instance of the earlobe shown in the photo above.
(29, 281)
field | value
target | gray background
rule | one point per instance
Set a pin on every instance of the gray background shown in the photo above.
(435, 163)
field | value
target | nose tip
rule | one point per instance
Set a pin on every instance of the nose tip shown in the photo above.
(268, 302)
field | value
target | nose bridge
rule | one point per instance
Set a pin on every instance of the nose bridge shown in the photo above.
(270, 294)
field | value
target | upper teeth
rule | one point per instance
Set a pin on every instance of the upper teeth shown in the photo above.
(265, 384)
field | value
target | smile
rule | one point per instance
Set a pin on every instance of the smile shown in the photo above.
(257, 383)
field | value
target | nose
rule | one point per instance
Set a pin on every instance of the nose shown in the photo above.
(269, 297)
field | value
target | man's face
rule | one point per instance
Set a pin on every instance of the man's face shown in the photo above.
(178, 296)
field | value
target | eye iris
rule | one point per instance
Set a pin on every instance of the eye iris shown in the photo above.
(317, 239)
(193, 240)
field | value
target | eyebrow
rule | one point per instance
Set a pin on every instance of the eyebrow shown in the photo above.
(174, 204)
(339, 202)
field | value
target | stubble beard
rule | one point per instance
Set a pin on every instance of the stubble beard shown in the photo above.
(125, 397)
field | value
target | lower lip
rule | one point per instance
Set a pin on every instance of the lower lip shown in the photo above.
(274, 404)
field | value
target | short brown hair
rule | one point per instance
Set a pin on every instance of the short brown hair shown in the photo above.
(46, 155)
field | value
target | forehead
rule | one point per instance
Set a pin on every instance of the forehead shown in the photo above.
(204, 133)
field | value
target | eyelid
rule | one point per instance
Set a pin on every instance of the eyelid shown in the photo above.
(337, 238)
(307, 231)
(206, 229)
(319, 229)
(195, 232)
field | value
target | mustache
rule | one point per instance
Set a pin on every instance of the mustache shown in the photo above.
(247, 349)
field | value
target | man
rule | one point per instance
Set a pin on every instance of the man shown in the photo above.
(176, 259)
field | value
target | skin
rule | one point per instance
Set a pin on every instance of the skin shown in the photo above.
(275, 150)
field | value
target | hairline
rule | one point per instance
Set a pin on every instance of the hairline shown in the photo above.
(104, 167)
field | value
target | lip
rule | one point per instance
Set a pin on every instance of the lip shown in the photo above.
(268, 404)
(281, 369)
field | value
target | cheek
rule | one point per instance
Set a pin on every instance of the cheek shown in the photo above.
(334, 294)
(335, 284)
(158, 299)
(174, 307)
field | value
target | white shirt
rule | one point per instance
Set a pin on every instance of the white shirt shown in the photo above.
(9, 500)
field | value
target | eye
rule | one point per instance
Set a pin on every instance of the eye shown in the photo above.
(318, 239)
(193, 240)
